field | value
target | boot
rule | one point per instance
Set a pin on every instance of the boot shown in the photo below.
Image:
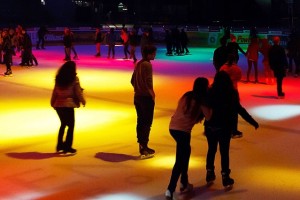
(226, 180)
(210, 176)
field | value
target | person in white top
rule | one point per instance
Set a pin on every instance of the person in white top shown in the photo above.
(191, 110)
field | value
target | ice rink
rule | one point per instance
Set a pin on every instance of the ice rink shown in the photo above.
(265, 162)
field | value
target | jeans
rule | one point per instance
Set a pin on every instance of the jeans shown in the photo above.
(214, 137)
(183, 152)
(67, 118)
(144, 106)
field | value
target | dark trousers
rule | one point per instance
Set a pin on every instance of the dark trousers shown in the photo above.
(67, 53)
(183, 152)
(279, 80)
(214, 137)
(41, 41)
(67, 118)
(111, 49)
(7, 57)
(144, 106)
(132, 53)
(126, 51)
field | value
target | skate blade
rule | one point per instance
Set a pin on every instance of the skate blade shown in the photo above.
(143, 157)
(228, 187)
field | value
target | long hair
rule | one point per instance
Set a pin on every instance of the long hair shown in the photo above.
(222, 89)
(198, 94)
(66, 74)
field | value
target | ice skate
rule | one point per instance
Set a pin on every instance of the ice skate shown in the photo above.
(227, 181)
(186, 189)
(146, 152)
(8, 73)
(210, 177)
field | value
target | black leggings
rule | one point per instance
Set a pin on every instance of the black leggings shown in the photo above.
(214, 137)
(67, 118)
(183, 152)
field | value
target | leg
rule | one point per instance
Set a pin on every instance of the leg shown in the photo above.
(183, 151)
(279, 87)
(113, 51)
(145, 109)
(212, 141)
(63, 120)
(98, 45)
(249, 69)
(255, 71)
(70, 121)
(224, 150)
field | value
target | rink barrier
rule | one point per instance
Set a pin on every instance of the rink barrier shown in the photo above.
(198, 36)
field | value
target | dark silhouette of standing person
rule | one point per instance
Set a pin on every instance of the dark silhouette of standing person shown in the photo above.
(278, 63)
(98, 40)
(41, 33)
(8, 52)
(144, 99)
(67, 95)
(168, 42)
(224, 101)
(133, 43)
(111, 42)
(145, 39)
(252, 58)
(125, 39)
(190, 110)
(67, 41)
(234, 48)
(293, 53)
(264, 50)
(75, 57)
(220, 54)
(184, 40)
(235, 74)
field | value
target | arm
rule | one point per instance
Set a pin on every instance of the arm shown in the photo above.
(246, 116)
(53, 97)
(79, 93)
(207, 112)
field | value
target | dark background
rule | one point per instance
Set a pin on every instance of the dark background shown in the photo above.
(273, 13)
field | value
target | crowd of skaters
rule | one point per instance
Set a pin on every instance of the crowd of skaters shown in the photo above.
(14, 41)
(277, 61)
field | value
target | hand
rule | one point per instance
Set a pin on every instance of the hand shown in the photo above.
(256, 126)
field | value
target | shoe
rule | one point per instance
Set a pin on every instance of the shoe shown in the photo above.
(168, 195)
(98, 55)
(237, 134)
(185, 189)
(8, 73)
(150, 151)
(281, 96)
(75, 58)
(226, 180)
(210, 176)
(145, 150)
(70, 150)
(59, 148)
